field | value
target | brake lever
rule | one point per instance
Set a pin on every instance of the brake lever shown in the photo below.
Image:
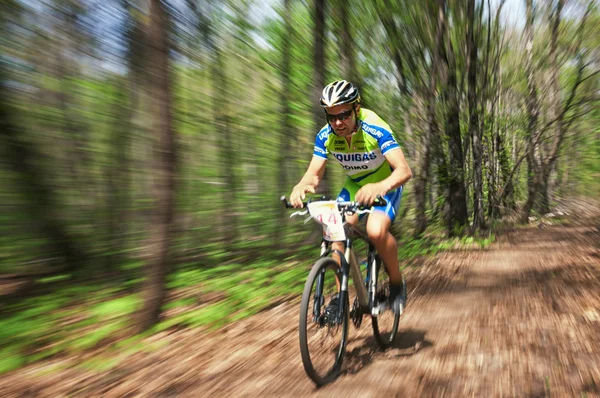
(298, 213)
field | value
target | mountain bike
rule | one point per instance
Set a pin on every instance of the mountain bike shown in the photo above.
(325, 310)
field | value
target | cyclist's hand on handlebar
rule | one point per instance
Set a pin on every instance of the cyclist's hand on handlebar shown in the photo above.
(299, 194)
(367, 194)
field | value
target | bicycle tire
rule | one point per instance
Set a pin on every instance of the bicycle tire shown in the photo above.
(384, 333)
(318, 376)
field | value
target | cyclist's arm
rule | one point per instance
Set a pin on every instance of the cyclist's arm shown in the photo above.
(401, 173)
(309, 181)
(314, 173)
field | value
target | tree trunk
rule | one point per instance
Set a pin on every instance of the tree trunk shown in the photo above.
(457, 218)
(542, 205)
(474, 130)
(117, 180)
(387, 20)
(119, 201)
(431, 130)
(543, 199)
(506, 189)
(67, 74)
(532, 114)
(319, 78)
(42, 203)
(24, 160)
(153, 292)
(286, 123)
(221, 110)
(493, 210)
(441, 206)
(548, 163)
(508, 194)
(347, 45)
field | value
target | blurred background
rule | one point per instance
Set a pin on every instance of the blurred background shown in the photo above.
(144, 145)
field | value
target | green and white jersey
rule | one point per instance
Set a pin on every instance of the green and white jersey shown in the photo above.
(363, 159)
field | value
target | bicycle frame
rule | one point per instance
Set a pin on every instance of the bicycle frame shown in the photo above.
(351, 268)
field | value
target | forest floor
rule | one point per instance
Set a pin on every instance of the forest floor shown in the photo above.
(518, 318)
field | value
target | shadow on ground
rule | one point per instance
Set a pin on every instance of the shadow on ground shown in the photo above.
(407, 343)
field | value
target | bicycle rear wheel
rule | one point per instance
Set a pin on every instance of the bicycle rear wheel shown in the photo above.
(323, 335)
(385, 324)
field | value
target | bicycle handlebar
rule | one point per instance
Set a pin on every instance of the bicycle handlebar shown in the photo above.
(288, 205)
(343, 206)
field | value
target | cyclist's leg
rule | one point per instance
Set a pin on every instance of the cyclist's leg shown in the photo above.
(378, 230)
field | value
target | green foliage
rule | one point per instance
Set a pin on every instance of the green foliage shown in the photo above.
(95, 336)
(431, 246)
(54, 279)
(10, 360)
(116, 308)
(244, 291)
(72, 319)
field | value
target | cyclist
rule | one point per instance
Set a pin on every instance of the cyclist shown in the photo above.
(365, 147)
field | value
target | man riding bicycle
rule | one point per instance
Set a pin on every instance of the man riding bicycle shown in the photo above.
(365, 147)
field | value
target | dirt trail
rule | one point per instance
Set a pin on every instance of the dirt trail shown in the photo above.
(521, 318)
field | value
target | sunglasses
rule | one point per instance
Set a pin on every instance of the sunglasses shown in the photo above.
(340, 116)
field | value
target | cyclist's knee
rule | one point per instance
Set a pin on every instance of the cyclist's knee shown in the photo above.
(378, 227)
(376, 232)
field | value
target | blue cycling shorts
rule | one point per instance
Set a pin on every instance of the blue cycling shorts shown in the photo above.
(348, 193)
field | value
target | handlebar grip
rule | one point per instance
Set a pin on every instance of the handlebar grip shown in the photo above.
(287, 204)
(380, 201)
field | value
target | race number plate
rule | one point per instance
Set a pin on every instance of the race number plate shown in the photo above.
(327, 214)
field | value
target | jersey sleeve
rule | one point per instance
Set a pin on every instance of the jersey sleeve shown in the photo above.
(320, 149)
(387, 142)
(383, 134)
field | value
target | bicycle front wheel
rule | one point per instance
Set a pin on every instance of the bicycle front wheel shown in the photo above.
(385, 325)
(323, 333)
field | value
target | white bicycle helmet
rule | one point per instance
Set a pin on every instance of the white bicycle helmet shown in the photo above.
(338, 93)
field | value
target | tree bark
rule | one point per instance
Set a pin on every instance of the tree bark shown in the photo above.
(457, 217)
(431, 130)
(228, 176)
(286, 123)
(347, 45)
(117, 180)
(24, 160)
(153, 292)
(474, 128)
(507, 194)
(543, 205)
(67, 72)
(319, 78)
(496, 83)
(42, 203)
(387, 20)
(532, 115)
